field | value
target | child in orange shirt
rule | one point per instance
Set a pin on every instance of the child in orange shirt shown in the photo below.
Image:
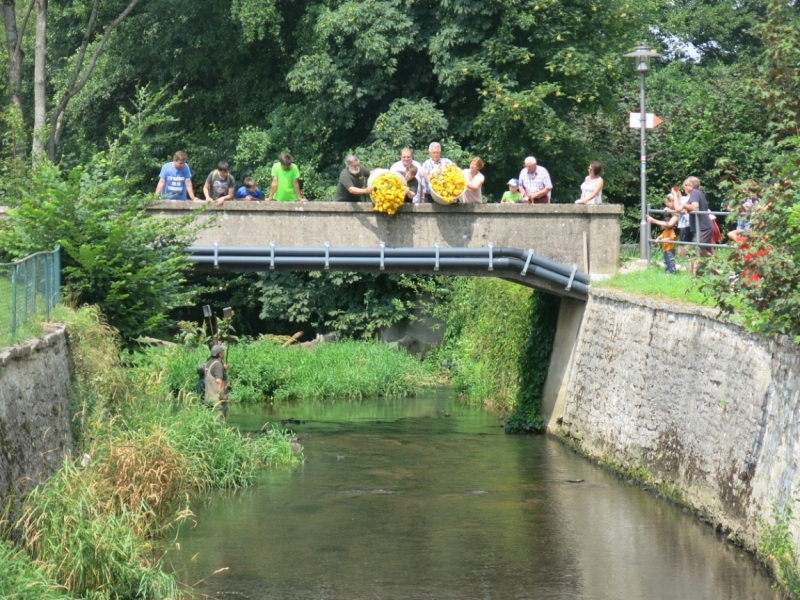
(667, 248)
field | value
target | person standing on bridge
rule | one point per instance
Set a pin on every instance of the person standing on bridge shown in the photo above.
(220, 184)
(352, 186)
(249, 192)
(474, 177)
(534, 183)
(592, 186)
(402, 165)
(285, 185)
(435, 161)
(175, 179)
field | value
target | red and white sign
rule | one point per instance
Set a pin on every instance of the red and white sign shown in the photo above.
(651, 120)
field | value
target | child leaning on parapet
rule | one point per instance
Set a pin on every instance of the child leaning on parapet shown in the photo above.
(668, 234)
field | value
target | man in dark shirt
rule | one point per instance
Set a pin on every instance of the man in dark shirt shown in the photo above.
(697, 202)
(352, 186)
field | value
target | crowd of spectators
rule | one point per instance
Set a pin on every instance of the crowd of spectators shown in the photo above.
(532, 186)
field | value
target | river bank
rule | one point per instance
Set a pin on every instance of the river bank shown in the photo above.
(90, 529)
(695, 406)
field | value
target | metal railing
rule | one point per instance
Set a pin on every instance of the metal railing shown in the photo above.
(30, 286)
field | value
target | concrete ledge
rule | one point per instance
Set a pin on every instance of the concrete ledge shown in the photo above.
(31, 346)
(587, 236)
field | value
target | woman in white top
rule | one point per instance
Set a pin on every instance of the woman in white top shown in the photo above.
(592, 186)
(474, 177)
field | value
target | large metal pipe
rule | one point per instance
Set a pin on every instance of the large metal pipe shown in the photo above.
(332, 252)
(432, 264)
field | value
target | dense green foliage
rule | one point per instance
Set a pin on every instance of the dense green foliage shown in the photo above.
(486, 323)
(323, 77)
(114, 255)
(91, 530)
(261, 370)
(355, 304)
(497, 346)
(20, 578)
(534, 364)
(761, 281)
(503, 80)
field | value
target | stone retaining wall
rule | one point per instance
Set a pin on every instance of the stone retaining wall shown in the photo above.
(34, 416)
(696, 401)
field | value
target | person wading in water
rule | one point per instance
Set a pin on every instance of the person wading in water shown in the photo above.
(216, 379)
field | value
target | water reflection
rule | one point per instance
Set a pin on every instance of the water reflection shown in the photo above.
(398, 500)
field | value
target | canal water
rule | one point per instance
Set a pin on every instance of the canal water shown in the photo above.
(426, 499)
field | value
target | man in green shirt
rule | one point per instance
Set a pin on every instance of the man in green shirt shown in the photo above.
(285, 181)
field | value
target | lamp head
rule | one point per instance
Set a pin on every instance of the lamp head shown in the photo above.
(642, 55)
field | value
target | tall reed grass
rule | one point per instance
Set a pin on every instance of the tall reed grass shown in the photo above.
(90, 530)
(20, 579)
(261, 370)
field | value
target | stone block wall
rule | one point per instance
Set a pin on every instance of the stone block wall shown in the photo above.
(696, 401)
(34, 416)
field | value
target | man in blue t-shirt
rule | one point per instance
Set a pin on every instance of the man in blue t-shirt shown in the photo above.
(175, 179)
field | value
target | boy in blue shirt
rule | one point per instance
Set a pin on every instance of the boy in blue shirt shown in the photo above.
(249, 191)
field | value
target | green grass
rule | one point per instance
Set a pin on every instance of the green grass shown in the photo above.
(262, 371)
(33, 329)
(487, 327)
(655, 283)
(20, 579)
(777, 549)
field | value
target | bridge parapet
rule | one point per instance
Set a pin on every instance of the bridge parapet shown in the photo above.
(586, 236)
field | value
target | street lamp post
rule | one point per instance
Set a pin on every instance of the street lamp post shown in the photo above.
(642, 56)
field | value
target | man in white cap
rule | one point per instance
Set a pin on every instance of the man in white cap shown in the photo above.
(534, 183)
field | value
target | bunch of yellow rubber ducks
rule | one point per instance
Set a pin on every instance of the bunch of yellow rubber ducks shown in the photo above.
(388, 193)
(449, 183)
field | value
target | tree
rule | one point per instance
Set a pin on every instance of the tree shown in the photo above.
(84, 62)
(760, 281)
(115, 255)
(356, 304)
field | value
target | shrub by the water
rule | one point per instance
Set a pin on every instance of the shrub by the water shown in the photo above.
(486, 322)
(261, 370)
(89, 530)
(497, 346)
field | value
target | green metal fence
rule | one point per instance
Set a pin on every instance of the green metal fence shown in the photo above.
(28, 287)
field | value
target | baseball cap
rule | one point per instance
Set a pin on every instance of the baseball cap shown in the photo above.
(217, 350)
(513, 182)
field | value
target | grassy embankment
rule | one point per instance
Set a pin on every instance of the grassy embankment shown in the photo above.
(654, 283)
(92, 532)
(24, 331)
(497, 346)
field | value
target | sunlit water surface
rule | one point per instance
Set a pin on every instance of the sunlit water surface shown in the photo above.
(398, 500)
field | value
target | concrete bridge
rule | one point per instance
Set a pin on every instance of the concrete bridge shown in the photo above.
(585, 236)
